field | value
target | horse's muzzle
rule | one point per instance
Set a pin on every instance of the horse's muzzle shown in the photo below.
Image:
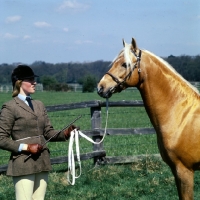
(102, 93)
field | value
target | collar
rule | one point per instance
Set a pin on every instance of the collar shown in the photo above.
(23, 97)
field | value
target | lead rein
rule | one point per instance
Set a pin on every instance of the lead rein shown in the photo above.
(55, 135)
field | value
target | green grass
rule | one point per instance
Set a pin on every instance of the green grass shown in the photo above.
(147, 179)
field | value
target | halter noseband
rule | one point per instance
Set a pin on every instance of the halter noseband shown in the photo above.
(120, 84)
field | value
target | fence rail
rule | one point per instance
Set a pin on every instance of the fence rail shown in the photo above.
(96, 132)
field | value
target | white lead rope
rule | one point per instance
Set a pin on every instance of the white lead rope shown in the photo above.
(74, 138)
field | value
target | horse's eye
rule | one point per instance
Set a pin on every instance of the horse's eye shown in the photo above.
(124, 65)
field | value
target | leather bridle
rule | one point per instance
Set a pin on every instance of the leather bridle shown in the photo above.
(120, 84)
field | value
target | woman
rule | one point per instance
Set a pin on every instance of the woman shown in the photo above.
(27, 123)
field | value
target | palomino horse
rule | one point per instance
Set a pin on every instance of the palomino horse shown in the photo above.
(172, 104)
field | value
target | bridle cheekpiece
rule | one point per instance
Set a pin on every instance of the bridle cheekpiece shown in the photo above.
(120, 84)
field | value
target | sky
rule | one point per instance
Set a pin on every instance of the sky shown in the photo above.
(57, 31)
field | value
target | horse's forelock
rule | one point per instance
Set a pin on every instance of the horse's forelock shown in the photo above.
(127, 57)
(125, 52)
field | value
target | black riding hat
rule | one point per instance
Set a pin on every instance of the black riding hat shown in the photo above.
(22, 72)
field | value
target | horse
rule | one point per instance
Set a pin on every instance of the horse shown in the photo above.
(172, 104)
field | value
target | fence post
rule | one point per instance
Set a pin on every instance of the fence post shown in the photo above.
(96, 123)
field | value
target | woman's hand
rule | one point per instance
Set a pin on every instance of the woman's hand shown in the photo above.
(34, 148)
(67, 132)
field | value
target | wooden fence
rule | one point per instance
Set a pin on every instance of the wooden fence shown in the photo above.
(96, 132)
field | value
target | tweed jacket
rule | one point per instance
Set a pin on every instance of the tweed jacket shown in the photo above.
(19, 124)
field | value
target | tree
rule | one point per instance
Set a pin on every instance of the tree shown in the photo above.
(48, 82)
(89, 83)
(62, 87)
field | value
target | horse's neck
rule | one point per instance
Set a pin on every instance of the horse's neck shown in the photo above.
(156, 95)
(162, 91)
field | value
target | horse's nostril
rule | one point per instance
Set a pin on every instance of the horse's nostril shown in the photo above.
(100, 90)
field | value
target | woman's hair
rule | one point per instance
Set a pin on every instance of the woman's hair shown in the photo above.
(16, 88)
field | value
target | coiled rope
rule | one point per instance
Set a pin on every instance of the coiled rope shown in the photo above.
(74, 138)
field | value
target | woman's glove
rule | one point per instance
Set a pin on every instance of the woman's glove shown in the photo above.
(34, 148)
(67, 132)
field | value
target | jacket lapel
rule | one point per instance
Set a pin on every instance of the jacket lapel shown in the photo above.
(23, 105)
(36, 107)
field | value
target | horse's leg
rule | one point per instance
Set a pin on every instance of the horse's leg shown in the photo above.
(184, 179)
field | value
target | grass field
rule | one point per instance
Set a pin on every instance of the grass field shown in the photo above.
(147, 179)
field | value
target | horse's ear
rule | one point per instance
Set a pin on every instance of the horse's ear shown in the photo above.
(124, 43)
(134, 45)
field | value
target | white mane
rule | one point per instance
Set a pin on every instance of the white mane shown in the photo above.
(126, 52)
(173, 70)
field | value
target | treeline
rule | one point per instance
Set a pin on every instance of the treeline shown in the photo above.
(61, 72)
(58, 76)
(187, 66)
